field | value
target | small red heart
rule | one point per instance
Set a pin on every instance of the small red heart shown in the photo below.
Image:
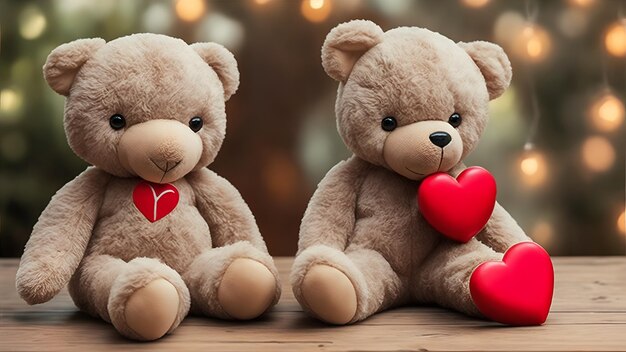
(518, 290)
(155, 200)
(459, 208)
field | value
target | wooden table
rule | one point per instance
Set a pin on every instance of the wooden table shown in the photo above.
(588, 313)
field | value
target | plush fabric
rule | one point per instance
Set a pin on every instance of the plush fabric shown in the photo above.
(92, 233)
(364, 219)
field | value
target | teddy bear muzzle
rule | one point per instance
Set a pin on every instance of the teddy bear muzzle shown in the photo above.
(159, 151)
(422, 148)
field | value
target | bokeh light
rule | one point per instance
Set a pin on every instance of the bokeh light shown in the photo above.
(316, 10)
(157, 18)
(10, 103)
(475, 3)
(221, 29)
(508, 26)
(615, 39)
(32, 23)
(533, 42)
(190, 10)
(607, 113)
(542, 232)
(621, 222)
(573, 21)
(261, 2)
(534, 168)
(597, 154)
(582, 3)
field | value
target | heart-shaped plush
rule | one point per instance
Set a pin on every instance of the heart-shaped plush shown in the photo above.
(518, 290)
(155, 200)
(459, 208)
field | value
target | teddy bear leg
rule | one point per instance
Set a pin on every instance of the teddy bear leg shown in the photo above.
(444, 276)
(144, 299)
(237, 281)
(341, 288)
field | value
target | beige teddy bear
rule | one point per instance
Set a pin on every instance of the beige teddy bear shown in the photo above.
(410, 103)
(148, 232)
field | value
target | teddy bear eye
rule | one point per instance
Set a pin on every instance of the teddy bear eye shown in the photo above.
(455, 120)
(117, 122)
(195, 123)
(389, 123)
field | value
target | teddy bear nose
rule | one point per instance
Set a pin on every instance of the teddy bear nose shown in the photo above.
(440, 139)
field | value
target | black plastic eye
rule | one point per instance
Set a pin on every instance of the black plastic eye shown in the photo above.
(389, 123)
(117, 122)
(455, 120)
(195, 123)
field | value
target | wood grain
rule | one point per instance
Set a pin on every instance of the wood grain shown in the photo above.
(588, 313)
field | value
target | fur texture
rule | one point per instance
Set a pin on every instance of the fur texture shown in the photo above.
(92, 232)
(363, 218)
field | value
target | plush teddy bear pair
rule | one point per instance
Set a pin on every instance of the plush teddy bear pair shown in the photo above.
(148, 233)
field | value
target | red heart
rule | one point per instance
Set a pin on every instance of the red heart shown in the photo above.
(155, 200)
(518, 290)
(459, 208)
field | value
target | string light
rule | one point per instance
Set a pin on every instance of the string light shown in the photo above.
(475, 3)
(32, 23)
(621, 222)
(607, 113)
(598, 154)
(190, 10)
(615, 39)
(533, 42)
(533, 167)
(315, 10)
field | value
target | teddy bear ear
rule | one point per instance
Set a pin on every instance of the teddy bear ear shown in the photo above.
(345, 44)
(65, 61)
(222, 62)
(493, 64)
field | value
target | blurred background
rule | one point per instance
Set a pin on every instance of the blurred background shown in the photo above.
(555, 141)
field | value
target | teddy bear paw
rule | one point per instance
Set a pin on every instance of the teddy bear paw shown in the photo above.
(151, 310)
(247, 289)
(329, 294)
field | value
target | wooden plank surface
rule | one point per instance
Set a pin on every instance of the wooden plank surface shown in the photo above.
(588, 313)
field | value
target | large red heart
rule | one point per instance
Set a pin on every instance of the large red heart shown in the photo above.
(459, 208)
(518, 290)
(155, 200)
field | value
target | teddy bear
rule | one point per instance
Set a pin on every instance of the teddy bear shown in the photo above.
(147, 233)
(410, 103)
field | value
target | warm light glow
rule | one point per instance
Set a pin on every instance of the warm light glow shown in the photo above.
(10, 101)
(607, 113)
(190, 10)
(597, 154)
(543, 233)
(582, 3)
(534, 168)
(475, 3)
(533, 42)
(621, 222)
(32, 23)
(261, 2)
(615, 39)
(315, 10)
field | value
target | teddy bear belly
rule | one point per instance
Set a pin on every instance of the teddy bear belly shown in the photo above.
(176, 239)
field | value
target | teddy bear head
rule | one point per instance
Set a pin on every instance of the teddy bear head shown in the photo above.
(144, 105)
(409, 99)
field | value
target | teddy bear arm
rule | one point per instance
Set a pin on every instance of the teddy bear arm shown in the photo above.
(502, 231)
(331, 214)
(60, 237)
(222, 207)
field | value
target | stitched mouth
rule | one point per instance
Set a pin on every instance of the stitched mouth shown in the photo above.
(167, 167)
(417, 173)
(440, 161)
